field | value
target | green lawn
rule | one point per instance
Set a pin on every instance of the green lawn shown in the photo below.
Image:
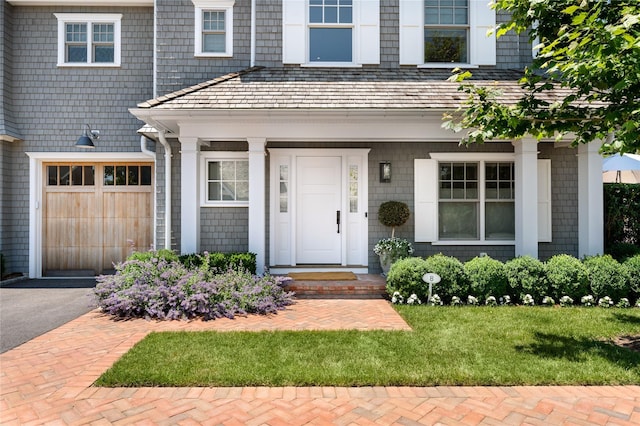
(448, 346)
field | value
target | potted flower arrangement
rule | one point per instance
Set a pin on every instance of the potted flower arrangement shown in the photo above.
(392, 214)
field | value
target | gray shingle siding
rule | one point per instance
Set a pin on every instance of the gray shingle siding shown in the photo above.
(224, 229)
(8, 125)
(564, 192)
(177, 65)
(51, 104)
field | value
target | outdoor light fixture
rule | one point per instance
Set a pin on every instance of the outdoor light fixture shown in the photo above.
(87, 138)
(385, 172)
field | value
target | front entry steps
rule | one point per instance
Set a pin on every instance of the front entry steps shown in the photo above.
(366, 286)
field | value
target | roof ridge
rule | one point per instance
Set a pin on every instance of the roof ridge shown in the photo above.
(187, 90)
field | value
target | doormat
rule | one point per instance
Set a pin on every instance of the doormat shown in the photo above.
(322, 276)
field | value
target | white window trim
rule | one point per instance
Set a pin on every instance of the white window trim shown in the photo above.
(482, 48)
(89, 19)
(481, 158)
(225, 6)
(205, 158)
(365, 34)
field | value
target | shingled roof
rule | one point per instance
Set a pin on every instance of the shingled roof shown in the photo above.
(261, 88)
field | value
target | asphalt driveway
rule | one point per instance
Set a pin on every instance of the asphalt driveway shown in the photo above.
(30, 308)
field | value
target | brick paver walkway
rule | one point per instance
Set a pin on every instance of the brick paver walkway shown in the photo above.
(49, 381)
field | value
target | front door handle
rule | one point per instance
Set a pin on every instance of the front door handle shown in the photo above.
(338, 220)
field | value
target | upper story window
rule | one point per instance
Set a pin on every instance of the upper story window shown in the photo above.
(446, 33)
(213, 27)
(88, 39)
(331, 32)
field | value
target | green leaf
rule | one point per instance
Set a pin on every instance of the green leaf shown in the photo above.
(569, 10)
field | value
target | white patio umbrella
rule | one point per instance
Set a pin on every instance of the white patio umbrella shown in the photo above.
(621, 169)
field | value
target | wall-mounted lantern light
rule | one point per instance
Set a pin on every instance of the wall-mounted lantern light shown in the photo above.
(385, 172)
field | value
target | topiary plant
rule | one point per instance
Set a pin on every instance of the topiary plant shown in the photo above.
(607, 277)
(392, 214)
(567, 276)
(487, 277)
(526, 275)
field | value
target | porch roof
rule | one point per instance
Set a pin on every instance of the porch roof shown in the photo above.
(260, 88)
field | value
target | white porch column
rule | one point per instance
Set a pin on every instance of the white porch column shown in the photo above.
(526, 203)
(257, 201)
(190, 195)
(590, 201)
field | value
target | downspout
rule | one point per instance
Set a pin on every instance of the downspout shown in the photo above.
(167, 189)
(253, 33)
(144, 149)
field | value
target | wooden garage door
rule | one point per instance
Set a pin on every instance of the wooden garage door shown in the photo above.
(95, 215)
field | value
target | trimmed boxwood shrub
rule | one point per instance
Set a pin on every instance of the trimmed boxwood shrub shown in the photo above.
(487, 277)
(526, 275)
(454, 281)
(405, 277)
(632, 265)
(221, 262)
(607, 277)
(567, 276)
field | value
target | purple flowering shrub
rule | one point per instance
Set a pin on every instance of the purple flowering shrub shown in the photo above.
(165, 289)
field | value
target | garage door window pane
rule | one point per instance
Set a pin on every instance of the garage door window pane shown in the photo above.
(89, 175)
(76, 175)
(52, 173)
(64, 175)
(109, 175)
(145, 175)
(132, 177)
(121, 175)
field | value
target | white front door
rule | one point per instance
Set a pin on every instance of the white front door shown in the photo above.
(318, 210)
(311, 191)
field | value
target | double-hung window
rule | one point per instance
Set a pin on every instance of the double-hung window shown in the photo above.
(330, 31)
(226, 179)
(446, 31)
(213, 27)
(88, 39)
(476, 201)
